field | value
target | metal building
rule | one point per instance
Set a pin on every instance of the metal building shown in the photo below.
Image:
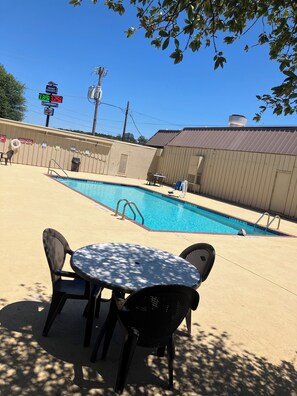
(251, 166)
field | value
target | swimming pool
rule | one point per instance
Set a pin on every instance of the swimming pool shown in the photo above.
(162, 213)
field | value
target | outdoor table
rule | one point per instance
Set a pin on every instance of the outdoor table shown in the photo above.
(158, 178)
(127, 267)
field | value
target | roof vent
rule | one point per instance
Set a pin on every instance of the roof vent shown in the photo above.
(237, 121)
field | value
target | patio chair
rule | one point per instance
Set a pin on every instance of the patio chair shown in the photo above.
(56, 248)
(149, 318)
(202, 256)
(7, 156)
(150, 178)
(177, 186)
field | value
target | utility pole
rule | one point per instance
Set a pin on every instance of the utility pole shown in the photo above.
(95, 92)
(125, 122)
(47, 120)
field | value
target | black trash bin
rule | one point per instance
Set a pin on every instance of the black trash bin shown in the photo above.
(75, 164)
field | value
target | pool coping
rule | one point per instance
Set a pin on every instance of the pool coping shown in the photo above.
(277, 233)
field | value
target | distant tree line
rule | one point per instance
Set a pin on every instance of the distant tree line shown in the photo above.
(129, 137)
(12, 100)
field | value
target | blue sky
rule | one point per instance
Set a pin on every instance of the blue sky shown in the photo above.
(50, 40)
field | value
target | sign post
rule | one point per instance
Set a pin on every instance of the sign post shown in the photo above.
(50, 99)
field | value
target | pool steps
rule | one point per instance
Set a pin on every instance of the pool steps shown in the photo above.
(268, 220)
(130, 204)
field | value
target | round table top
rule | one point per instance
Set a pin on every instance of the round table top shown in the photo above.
(128, 267)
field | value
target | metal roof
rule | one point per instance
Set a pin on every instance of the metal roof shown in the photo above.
(162, 138)
(277, 140)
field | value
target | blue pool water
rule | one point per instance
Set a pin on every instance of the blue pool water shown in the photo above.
(162, 213)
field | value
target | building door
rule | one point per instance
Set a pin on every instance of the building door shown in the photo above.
(280, 191)
(123, 164)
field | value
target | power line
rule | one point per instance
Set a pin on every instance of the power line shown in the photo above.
(140, 134)
(115, 128)
(120, 108)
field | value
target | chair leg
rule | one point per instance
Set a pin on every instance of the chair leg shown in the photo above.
(97, 343)
(125, 359)
(98, 304)
(188, 321)
(58, 300)
(111, 322)
(92, 309)
(61, 306)
(89, 321)
(85, 313)
(106, 332)
(170, 358)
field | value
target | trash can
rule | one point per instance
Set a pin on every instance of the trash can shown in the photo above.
(75, 164)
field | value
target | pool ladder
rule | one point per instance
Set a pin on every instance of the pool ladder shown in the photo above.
(269, 222)
(51, 170)
(131, 205)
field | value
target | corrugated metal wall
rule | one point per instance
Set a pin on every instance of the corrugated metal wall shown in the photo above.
(241, 177)
(97, 155)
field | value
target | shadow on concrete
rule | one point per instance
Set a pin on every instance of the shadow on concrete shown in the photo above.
(59, 364)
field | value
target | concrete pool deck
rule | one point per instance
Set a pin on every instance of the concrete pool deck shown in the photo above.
(244, 330)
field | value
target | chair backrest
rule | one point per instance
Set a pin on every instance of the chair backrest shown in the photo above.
(149, 176)
(56, 247)
(202, 256)
(157, 311)
(178, 185)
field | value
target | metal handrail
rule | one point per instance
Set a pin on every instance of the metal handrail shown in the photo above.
(129, 204)
(52, 170)
(263, 214)
(275, 217)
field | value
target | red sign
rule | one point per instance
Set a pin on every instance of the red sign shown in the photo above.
(26, 141)
(56, 99)
(2, 138)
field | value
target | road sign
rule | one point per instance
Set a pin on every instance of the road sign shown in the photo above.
(49, 104)
(49, 111)
(43, 96)
(53, 89)
(52, 83)
(56, 98)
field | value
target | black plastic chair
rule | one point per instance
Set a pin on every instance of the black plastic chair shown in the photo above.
(202, 256)
(7, 156)
(56, 248)
(150, 178)
(149, 317)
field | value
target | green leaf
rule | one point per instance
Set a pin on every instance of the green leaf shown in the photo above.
(163, 33)
(177, 55)
(75, 2)
(165, 43)
(219, 60)
(257, 117)
(290, 74)
(229, 39)
(156, 42)
(130, 32)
